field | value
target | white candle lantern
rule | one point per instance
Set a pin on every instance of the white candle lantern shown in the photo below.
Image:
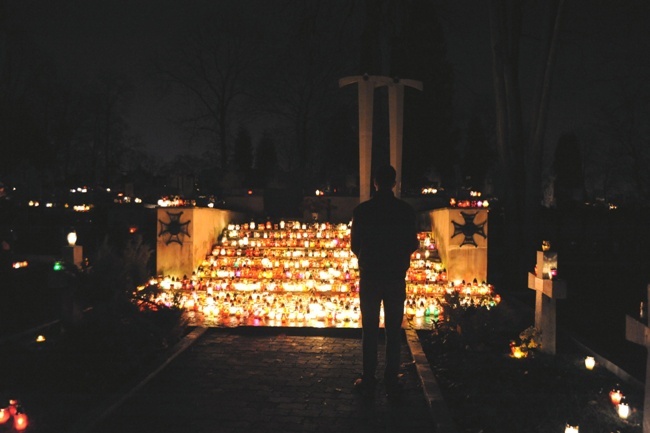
(623, 410)
(571, 429)
(72, 238)
(590, 362)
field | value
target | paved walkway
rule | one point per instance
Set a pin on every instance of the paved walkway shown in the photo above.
(266, 380)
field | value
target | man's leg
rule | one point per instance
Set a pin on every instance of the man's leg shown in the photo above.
(370, 304)
(394, 296)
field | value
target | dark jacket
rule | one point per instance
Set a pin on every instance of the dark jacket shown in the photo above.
(384, 235)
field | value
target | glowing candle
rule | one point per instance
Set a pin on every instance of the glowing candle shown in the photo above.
(13, 404)
(20, 420)
(518, 353)
(571, 429)
(4, 415)
(615, 396)
(590, 362)
(623, 410)
(72, 238)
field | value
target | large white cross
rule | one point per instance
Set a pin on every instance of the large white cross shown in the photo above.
(548, 291)
(367, 85)
(639, 333)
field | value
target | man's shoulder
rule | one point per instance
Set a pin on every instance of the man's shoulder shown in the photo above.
(406, 205)
(401, 204)
(361, 207)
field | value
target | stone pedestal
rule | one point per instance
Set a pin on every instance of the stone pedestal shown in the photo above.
(461, 236)
(73, 254)
(186, 236)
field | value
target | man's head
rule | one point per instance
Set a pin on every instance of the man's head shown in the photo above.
(385, 178)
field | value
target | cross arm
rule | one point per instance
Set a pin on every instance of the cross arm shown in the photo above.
(554, 289)
(637, 332)
(376, 80)
(411, 83)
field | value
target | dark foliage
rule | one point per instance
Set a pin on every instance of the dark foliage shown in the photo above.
(488, 391)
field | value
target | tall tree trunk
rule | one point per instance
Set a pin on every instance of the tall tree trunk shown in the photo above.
(521, 164)
(107, 144)
(505, 19)
(535, 154)
(223, 133)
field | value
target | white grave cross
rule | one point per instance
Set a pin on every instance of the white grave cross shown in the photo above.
(548, 291)
(639, 333)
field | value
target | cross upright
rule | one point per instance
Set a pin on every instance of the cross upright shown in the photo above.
(367, 84)
(638, 332)
(547, 291)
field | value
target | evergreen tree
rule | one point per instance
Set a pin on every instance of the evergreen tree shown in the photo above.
(418, 52)
(478, 154)
(243, 154)
(266, 159)
(567, 167)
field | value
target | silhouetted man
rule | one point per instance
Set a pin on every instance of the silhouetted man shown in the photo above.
(384, 236)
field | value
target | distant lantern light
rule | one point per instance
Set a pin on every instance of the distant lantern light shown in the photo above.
(133, 229)
(590, 362)
(72, 238)
(571, 429)
(4, 415)
(250, 192)
(13, 406)
(623, 410)
(58, 266)
(20, 419)
(40, 339)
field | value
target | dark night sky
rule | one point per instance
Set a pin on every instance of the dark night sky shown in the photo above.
(120, 36)
(604, 46)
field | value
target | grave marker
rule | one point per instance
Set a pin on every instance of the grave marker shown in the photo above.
(548, 291)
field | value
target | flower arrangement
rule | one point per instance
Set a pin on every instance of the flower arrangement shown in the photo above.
(529, 340)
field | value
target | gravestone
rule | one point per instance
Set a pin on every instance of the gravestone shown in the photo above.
(548, 291)
(638, 332)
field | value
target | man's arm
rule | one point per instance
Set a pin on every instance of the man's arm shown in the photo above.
(355, 238)
(415, 243)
